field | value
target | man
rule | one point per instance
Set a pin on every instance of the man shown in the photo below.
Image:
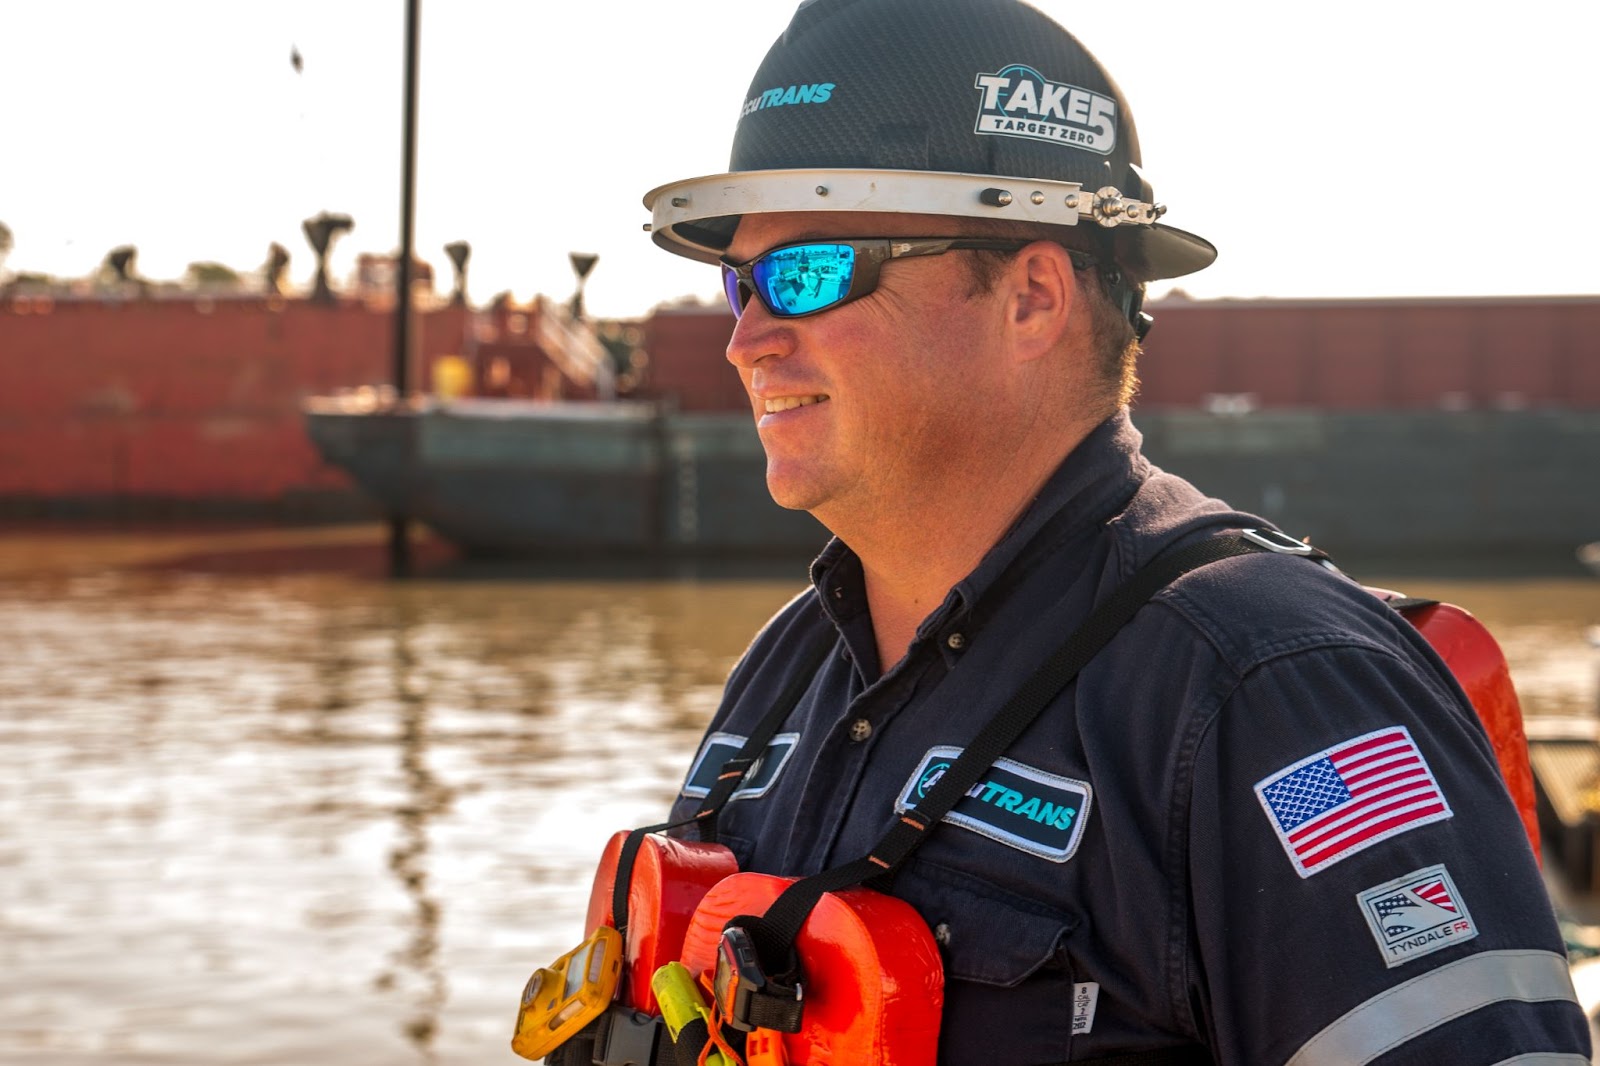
(1180, 857)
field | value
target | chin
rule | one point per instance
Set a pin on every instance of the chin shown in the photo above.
(790, 499)
(792, 491)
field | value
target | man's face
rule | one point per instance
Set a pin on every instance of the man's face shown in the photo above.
(867, 407)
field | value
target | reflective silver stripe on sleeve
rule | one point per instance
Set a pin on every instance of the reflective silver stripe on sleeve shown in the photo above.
(1429, 1000)
(1545, 1058)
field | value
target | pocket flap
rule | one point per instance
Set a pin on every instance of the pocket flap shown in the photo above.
(985, 935)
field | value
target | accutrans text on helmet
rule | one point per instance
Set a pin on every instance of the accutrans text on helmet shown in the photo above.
(815, 93)
(1020, 102)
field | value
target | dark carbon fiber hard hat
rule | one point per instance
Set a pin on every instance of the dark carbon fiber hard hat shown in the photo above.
(977, 108)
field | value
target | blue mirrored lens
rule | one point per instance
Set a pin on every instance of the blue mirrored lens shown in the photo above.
(803, 278)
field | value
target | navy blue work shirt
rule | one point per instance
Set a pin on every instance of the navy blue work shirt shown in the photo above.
(1264, 819)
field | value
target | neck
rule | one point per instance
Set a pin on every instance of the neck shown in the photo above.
(912, 556)
(905, 586)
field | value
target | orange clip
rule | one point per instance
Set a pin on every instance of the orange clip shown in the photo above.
(764, 1047)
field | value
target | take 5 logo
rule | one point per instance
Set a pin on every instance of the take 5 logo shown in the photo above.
(1018, 101)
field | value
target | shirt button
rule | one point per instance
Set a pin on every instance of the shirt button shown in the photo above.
(941, 934)
(956, 641)
(860, 730)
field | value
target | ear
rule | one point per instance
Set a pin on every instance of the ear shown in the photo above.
(1042, 288)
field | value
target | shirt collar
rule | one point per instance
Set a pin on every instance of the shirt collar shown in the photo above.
(1091, 486)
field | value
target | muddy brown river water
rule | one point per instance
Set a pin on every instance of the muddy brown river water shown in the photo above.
(258, 805)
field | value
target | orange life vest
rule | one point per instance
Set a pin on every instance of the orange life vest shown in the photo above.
(1479, 666)
(874, 991)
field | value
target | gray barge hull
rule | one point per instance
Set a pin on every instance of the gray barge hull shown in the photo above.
(513, 478)
(1405, 484)
(507, 478)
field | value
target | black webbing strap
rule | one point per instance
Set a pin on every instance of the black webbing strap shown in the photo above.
(693, 1037)
(775, 1007)
(729, 778)
(624, 876)
(774, 933)
(734, 771)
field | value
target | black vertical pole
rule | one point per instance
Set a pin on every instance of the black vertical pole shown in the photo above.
(399, 542)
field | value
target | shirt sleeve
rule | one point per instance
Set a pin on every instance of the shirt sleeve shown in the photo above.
(1362, 888)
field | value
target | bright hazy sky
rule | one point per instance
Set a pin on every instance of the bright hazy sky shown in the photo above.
(1351, 149)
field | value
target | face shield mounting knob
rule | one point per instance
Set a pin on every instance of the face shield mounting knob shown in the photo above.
(1108, 206)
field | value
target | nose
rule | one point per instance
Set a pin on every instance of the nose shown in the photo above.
(757, 335)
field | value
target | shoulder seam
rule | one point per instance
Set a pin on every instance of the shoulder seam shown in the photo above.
(796, 607)
(1200, 621)
(1181, 959)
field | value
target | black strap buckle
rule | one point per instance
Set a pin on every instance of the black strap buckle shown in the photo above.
(626, 1037)
(746, 997)
(1274, 541)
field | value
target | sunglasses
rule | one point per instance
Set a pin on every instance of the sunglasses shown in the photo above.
(794, 280)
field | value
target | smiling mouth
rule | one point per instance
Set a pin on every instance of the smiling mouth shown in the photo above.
(789, 403)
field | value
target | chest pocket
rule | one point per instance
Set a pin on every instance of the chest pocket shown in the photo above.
(1007, 975)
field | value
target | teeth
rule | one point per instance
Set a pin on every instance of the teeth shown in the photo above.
(789, 403)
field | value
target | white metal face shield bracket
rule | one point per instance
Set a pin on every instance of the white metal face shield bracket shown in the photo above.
(1056, 203)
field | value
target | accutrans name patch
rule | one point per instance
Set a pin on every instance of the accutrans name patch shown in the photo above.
(720, 747)
(1019, 806)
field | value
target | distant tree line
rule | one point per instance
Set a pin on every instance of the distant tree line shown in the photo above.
(118, 271)
(118, 268)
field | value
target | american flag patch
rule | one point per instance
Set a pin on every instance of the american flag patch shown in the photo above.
(1332, 804)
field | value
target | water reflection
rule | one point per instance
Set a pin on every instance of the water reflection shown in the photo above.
(279, 813)
(424, 797)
